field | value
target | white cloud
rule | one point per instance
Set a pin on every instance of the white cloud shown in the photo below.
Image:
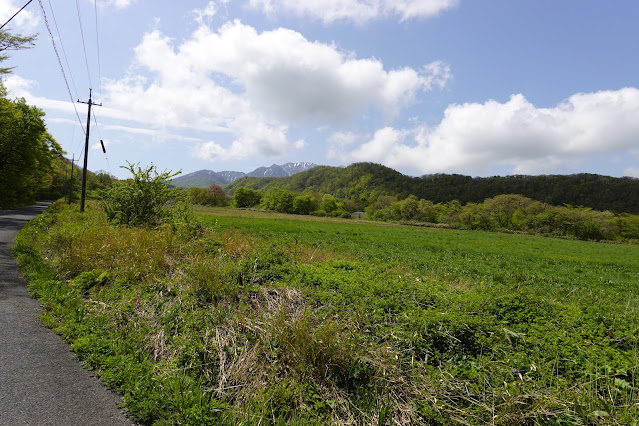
(344, 138)
(117, 4)
(290, 78)
(26, 20)
(259, 139)
(256, 85)
(359, 11)
(476, 137)
(18, 86)
(205, 14)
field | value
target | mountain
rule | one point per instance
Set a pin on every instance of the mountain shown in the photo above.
(204, 178)
(288, 169)
(362, 183)
(228, 177)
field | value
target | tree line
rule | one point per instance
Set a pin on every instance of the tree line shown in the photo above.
(29, 155)
(506, 212)
(32, 163)
(363, 183)
(510, 212)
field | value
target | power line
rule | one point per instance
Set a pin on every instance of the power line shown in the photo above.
(97, 42)
(55, 49)
(75, 143)
(15, 14)
(66, 60)
(95, 120)
(64, 53)
(84, 47)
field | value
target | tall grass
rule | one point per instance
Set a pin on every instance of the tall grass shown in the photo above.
(268, 319)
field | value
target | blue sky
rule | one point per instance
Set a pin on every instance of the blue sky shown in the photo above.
(477, 87)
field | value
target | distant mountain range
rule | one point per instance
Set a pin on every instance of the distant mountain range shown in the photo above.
(204, 178)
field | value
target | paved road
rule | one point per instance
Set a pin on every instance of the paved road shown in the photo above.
(41, 383)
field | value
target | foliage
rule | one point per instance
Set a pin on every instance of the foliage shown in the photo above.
(363, 183)
(304, 204)
(31, 162)
(10, 42)
(246, 197)
(216, 196)
(509, 212)
(279, 200)
(387, 195)
(145, 200)
(28, 154)
(212, 196)
(302, 320)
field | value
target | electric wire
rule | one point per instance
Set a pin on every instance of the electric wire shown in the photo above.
(66, 60)
(97, 42)
(55, 49)
(95, 120)
(64, 53)
(15, 14)
(84, 47)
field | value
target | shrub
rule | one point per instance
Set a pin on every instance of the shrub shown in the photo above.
(304, 204)
(246, 197)
(279, 200)
(215, 195)
(146, 199)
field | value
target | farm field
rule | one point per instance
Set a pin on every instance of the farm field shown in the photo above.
(263, 318)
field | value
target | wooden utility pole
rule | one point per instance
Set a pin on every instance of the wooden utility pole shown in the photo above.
(86, 152)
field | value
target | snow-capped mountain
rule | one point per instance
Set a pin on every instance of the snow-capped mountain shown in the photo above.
(204, 178)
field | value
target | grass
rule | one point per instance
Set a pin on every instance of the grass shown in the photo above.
(275, 319)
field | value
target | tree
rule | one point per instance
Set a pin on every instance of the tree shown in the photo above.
(246, 197)
(10, 42)
(196, 195)
(215, 196)
(27, 153)
(409, 208)
(279, 200)
(304, 204)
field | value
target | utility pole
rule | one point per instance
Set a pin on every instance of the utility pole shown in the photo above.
(86, 153)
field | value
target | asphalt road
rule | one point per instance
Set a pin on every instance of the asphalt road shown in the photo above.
(41, 382)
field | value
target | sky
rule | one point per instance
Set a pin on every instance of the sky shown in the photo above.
(475, 87)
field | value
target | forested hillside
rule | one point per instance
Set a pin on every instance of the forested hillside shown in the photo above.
(364, 182)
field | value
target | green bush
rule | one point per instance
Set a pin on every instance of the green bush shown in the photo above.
(279, 200)
(304, 204)
(246, 197)
(145, 200)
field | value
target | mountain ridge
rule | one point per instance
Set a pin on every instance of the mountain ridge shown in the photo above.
(362, 183)
(204, 178)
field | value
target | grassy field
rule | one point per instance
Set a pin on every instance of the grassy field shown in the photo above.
(264, 318)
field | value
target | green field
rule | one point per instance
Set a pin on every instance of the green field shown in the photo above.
(265, 318)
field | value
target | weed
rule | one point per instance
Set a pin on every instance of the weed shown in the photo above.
(272, 319)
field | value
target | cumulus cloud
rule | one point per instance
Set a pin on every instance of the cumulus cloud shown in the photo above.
(205, 14)
(255, 85)
(290, 78)
(24, 21)
(359, 11)
(476, 137)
